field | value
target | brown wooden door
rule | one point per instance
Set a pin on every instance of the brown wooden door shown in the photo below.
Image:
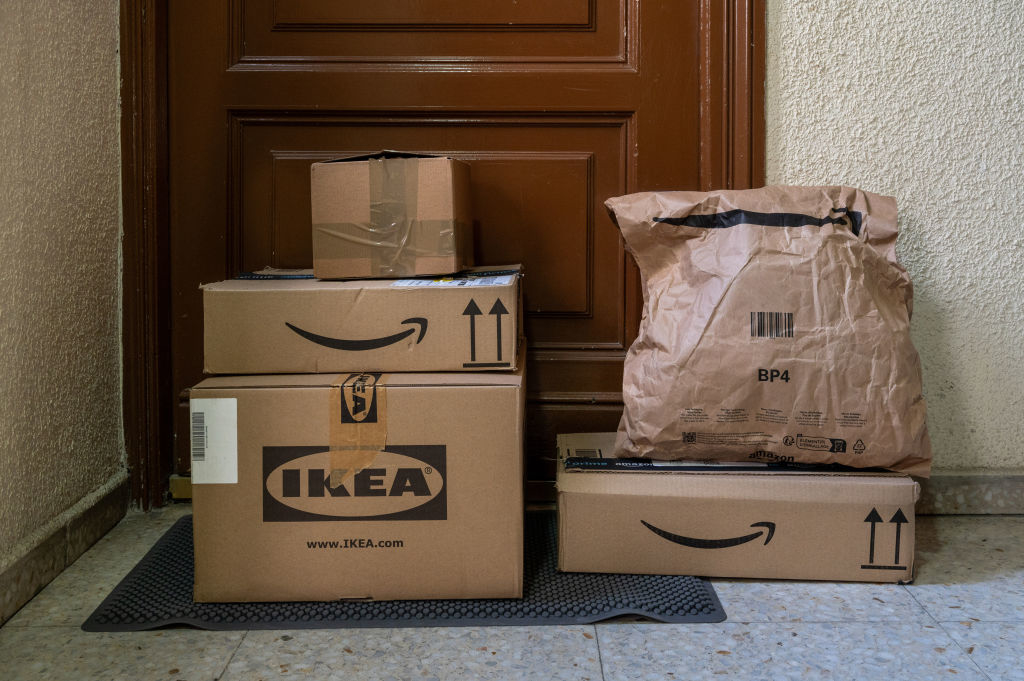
(557, 106)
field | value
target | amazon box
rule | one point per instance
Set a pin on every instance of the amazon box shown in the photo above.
(729, 520)
(469, 322)
(364, 486)
(390, 215)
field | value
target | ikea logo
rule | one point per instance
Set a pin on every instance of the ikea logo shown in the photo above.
(359, 398)
(402, 482)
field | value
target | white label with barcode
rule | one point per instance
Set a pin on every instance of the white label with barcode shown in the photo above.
(500, 280)
(214, 424)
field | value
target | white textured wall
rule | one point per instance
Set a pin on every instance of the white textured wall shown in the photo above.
(924, 101)
(60, 394)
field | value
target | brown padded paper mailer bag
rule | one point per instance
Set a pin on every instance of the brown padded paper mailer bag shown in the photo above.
(776, 327)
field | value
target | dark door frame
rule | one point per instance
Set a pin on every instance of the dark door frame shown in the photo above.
(145, 321)
(732, 156)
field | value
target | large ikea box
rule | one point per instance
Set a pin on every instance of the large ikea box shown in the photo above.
(364, 486)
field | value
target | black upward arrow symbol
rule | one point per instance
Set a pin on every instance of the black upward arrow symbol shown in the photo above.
(899, 519)
(497, 310)
(874, 519)
(472, 310)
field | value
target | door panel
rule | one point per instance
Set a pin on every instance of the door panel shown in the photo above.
(534, 207)
(409, 31)
(556, 106)
(357, 15)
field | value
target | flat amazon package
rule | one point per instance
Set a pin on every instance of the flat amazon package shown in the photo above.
(715, 519)
(390, 214)
(776, 326)
(360, 486)
(267, 324)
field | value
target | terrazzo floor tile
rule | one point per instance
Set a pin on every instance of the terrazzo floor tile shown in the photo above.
(971, 567)
(843, 651)
(423, 654)
(75, 593)
(752, 601)
(996, 647)
(67, 653)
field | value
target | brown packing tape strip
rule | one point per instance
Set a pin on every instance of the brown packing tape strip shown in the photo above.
(355, 444)
(430, 237)
(394, 186)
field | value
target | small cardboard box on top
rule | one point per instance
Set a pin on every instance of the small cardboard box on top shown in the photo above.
(324, 487)
(729, 520)
(390, 214)
(469, 322)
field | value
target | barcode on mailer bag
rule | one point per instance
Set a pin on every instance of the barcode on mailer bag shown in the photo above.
(199, 436)
(771, 324)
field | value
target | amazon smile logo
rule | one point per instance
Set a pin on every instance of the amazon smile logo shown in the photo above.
(356, 345)
(694, 542)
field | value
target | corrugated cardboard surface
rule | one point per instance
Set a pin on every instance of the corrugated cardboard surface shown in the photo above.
(767, 524)
(427, 501)
(469, 323)
(390, 215)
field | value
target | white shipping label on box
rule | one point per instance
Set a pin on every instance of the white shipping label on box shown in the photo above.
(214, 440)
(499, 280)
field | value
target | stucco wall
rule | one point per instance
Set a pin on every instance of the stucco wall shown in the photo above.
(60, 395)
(924, 102)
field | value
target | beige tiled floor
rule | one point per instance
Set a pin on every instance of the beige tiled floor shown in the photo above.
(963, 618)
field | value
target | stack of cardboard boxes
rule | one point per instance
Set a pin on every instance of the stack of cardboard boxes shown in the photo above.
(328, 463)
(363, 435)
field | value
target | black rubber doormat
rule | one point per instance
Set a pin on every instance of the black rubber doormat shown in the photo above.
(158, 593)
